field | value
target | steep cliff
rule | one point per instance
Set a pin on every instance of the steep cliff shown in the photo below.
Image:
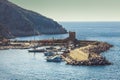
(22, 22)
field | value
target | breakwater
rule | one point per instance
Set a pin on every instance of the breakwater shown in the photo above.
(88, 54)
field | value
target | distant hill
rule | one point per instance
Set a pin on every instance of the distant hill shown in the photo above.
(21, 22)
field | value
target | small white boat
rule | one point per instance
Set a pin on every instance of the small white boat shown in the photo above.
(37, 50)
(49, 53)
(56, 58)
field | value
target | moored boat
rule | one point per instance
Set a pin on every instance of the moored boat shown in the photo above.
(56, 58)
(49, 53)
(37, 50)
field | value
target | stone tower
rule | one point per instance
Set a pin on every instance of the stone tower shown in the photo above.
(72, 36)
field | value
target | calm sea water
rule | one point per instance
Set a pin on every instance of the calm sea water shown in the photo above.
(20, 65)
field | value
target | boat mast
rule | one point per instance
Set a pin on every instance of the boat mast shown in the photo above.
(34, 38)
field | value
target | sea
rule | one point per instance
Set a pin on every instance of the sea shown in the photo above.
(16, 64)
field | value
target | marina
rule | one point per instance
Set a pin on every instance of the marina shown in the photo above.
(77, 52)
(59, 40)
(22, 65)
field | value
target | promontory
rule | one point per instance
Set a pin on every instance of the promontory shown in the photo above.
(21, 22)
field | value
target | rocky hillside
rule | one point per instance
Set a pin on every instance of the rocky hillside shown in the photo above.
(22, 22)
(4, 33)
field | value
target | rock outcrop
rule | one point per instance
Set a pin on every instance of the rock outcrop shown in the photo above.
(22, 22)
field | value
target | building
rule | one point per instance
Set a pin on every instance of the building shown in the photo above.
(72, 36)
(4, 42)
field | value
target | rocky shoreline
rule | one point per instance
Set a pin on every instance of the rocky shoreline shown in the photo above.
(88, 54)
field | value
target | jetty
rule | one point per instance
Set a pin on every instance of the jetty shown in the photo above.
(86, 56)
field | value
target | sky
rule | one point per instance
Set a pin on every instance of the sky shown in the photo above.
(74, 10)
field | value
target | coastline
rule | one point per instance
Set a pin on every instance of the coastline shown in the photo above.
(77, 52)
(87, 53)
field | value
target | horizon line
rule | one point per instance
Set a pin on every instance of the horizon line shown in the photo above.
(88, 21)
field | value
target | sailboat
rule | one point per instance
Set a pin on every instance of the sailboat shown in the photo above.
(35, 49)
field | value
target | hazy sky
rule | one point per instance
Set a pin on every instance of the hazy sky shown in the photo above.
(74, 10)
